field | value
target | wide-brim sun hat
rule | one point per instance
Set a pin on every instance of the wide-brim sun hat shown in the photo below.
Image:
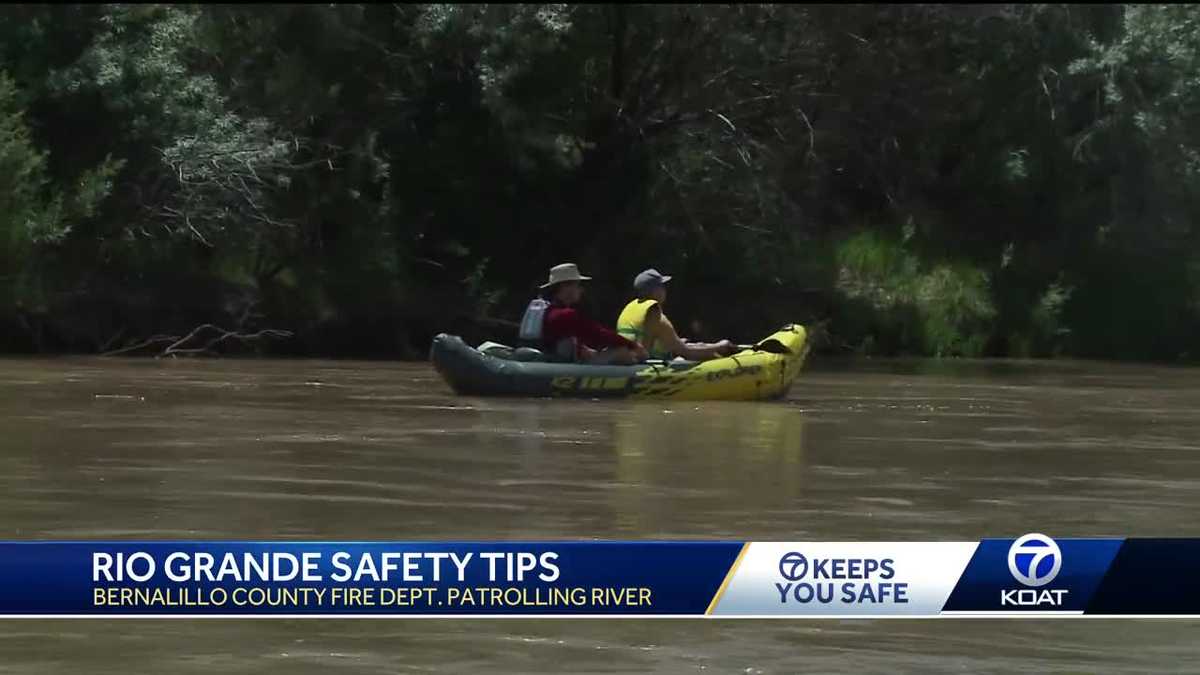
(564, 272)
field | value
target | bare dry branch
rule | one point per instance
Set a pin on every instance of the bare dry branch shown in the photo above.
(157, 339)
(178, 344)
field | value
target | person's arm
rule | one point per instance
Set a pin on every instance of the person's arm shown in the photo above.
(594, 334)
(661, 328)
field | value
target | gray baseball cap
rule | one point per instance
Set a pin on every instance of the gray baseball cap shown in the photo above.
(651, 278)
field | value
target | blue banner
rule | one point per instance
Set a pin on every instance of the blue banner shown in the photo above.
(336, 578)
(1031, 574)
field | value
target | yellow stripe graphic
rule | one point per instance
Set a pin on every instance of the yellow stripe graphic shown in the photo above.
(728, 577)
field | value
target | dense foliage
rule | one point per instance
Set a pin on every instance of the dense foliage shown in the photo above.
(968, 180)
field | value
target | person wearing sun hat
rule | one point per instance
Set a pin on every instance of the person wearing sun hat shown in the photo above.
(569, 335)
(643, 321)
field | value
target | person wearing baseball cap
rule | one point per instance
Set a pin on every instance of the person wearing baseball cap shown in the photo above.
(643, 321)
(569, 335)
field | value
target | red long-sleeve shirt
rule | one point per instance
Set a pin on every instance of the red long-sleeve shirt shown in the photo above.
(566, 322)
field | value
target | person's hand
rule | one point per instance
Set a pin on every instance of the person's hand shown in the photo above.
(641, 354)
(725, 348)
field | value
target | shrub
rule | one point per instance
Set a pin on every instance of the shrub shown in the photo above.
(945, 310)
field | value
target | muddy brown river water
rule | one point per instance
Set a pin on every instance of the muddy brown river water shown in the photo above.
(870, 450)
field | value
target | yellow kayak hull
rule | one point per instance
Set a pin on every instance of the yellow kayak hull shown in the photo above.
(749, 375)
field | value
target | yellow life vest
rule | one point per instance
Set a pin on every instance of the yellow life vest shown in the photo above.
(631, 324)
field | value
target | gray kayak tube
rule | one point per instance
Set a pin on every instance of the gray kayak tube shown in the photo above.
(473, 373)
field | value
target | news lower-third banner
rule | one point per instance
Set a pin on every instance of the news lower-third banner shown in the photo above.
(1030, 575)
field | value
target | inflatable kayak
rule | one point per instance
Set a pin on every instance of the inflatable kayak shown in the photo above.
(765, 370)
